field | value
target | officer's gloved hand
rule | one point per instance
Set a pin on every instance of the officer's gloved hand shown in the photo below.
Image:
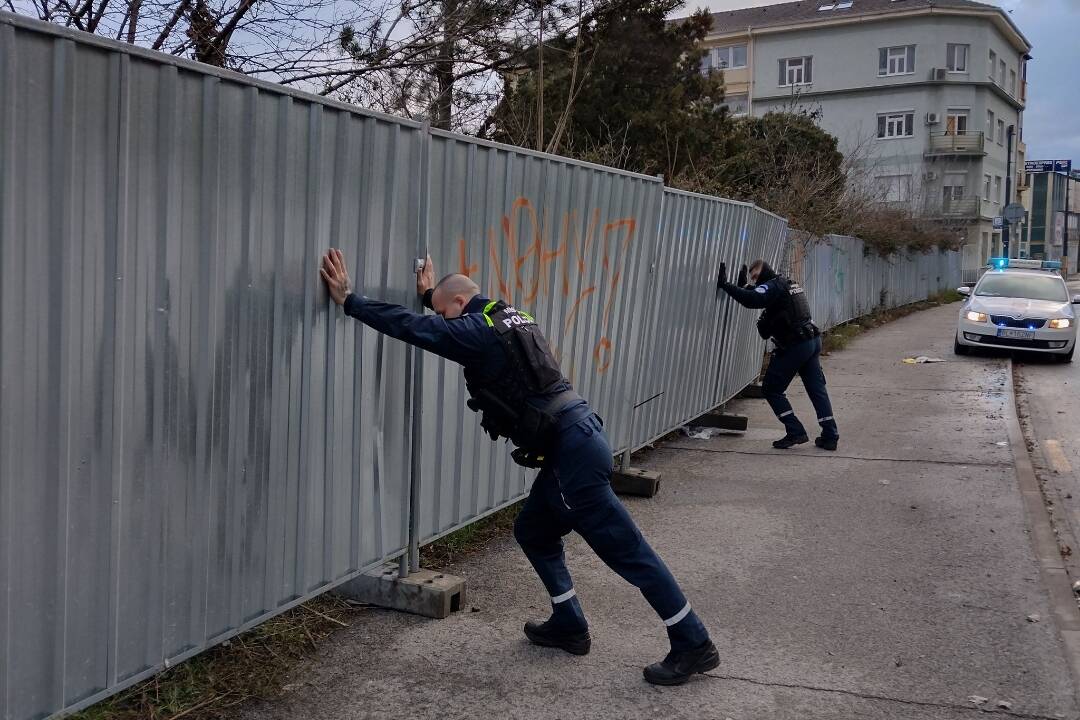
(741, 282)
(721, 277)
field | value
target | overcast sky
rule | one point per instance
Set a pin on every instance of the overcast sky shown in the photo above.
(1052, 118)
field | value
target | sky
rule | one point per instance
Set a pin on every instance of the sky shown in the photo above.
(1052, 117)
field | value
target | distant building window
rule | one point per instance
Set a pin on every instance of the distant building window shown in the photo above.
(896, 60)
(1012, 83)
(737, 105)
(1001, 73)
(1001, 132)
(991, 64)
(896, 125)
(728, 58)
(956, 57)
(956, 122)
(796, 71)
(894, 188)
(999, 196)
(986, 188)
(989, 125)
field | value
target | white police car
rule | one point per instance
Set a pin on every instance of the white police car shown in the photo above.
(1019, 305)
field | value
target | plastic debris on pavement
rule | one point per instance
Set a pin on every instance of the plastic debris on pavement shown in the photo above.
(700, 433)
(921, 359)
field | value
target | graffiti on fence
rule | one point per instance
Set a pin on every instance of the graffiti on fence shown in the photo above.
(556, 257)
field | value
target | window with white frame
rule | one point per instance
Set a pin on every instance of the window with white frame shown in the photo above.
(986, 188)
(728, 57)
(1000, 132)
(1001, 72)
(737, 104)
(999, 196)
(956, 57)
(896, 124)
(796, 71)
(894, 188)
(1012, 83)
(992, 64)
(989, 125)
(956, 122)
(898, 60)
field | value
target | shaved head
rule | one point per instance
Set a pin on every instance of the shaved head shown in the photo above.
(452, 294)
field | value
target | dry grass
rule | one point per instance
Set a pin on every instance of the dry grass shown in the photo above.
(258, 663)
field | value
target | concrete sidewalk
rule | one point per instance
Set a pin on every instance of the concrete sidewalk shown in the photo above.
(892, 579)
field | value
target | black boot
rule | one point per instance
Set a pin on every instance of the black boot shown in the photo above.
(543, 634)
(678, 667)
(826, 443)
(790, 441)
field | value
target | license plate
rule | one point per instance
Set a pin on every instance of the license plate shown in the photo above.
(1015, 334)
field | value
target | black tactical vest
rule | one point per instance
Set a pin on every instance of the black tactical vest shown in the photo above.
(788, 320)
(520, 400)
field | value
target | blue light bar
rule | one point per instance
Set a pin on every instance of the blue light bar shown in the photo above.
(1051, 265)
(999, 263)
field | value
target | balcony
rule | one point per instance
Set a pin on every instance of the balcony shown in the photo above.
(958, 144)
(966, 208)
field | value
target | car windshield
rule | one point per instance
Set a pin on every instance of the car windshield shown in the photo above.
(1028, 287)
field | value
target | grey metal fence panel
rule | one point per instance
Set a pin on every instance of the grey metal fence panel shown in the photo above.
(844, 282)
(568, 242)
(716, 356)
(190, 439)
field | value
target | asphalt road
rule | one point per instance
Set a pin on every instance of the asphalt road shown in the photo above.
(896, 578)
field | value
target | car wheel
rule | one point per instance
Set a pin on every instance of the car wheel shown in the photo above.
(959, 349)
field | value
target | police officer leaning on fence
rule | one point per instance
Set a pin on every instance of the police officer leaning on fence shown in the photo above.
(786, 320)
(517, 387)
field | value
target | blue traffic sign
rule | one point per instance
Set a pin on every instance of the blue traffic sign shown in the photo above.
(1048, 166)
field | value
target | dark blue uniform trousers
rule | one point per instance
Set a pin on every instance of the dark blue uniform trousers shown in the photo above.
(573, 492)
(802, 359)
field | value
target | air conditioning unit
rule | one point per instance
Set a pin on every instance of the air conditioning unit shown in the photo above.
(932, 118)
(939, 74)
(929, 175)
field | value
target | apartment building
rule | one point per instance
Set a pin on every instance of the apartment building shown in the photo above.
(923, 92)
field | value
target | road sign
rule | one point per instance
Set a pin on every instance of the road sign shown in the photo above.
(998, 222)
(1013, 212)
(1047, 166)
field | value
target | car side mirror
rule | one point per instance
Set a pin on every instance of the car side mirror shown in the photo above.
(967, 291)
(1076, 300)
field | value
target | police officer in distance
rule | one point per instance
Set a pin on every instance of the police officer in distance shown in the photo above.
(786, 320)
(517, 387)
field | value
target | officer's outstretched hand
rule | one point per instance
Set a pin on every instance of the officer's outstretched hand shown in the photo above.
(425, 277)
(721, 277)
(741, 282)
(336, 276)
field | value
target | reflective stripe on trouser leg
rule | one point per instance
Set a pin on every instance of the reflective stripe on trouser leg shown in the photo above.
(678, 616)
(785, 414)
(564, 597)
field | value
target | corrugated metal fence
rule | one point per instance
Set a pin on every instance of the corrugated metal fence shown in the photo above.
(845, 280)
(192, 439)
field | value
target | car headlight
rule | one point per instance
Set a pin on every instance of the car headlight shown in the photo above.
(975, 316)
(1060, 323)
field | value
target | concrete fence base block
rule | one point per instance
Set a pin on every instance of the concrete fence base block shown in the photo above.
(723, 421)
(752, 391)
(632, 481)
(424, 592)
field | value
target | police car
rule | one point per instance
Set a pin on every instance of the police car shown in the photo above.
(1019, 305)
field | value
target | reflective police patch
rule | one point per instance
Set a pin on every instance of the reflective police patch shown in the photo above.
(761, 289)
